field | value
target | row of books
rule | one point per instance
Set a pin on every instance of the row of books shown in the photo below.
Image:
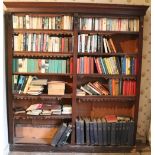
(114, 87)
(42, 42)
(42, 22)
(62, 135)
(107, 65)
(111, 130)
(42, 65)
(109, 24)
(35, 86)
(95, 43)
(122, 87)
(44, 109)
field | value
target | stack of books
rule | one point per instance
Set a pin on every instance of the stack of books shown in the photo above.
(79, 92)
(36, 86)
(56, 88)
(67, 109)
(34, 109)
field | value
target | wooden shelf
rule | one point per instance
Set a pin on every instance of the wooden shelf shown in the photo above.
(56, 32)
(47, 55)
(97, 54)
(40, 97)
(105, 98)
(41, 117)
(42, 74)
(107, 76)
(107, 32)
(81, 148)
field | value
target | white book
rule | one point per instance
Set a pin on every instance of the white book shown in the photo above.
(104, 24)
(15, 22)
(105, 45)
(29, 41)
(49, 22)
(108, 45)
(27, 21)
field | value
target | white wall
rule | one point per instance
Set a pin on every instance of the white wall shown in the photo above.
(3, 111)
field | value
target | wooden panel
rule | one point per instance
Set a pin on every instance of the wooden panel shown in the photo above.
(35, 132)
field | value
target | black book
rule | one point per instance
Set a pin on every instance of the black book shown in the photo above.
(108, 133)
(124, 134)
(87, 131)
(95, 132)
(78, 131)
(81, 131)
(131, 132)
(65, 135)
(117, 133)
(113, 134)
(92, 139)
(104, 129)
(100, 132)
(58, 134)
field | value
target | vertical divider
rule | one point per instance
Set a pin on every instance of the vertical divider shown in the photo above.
(9, 53)
(74, 105)
(139, 57)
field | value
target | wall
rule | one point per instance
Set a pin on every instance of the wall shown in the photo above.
(145, 99)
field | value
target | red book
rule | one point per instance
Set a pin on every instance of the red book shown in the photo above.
(111, 118)
(71, 65)
(62, 45)
(124, 87)
(97, 66)
(78, 65)
(134, 86)
(92, 66)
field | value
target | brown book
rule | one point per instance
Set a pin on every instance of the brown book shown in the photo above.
(100, 87)
(111, 44)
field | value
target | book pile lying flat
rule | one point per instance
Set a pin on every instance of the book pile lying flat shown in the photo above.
(45, 109)
(62, 135)
(36, 86)
(111, 130)
(67, 109)
(56, 88)
(79, 92)
(34, 109)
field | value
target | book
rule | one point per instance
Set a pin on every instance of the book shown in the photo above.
(104, 129)
(65, 135)
(78, 131)
(87, 130)
(100, 131)
(95, 132)
(58, 134)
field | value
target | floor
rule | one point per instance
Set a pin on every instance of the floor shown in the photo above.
(43, 153)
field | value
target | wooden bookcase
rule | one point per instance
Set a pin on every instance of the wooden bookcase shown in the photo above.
(81, 105)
